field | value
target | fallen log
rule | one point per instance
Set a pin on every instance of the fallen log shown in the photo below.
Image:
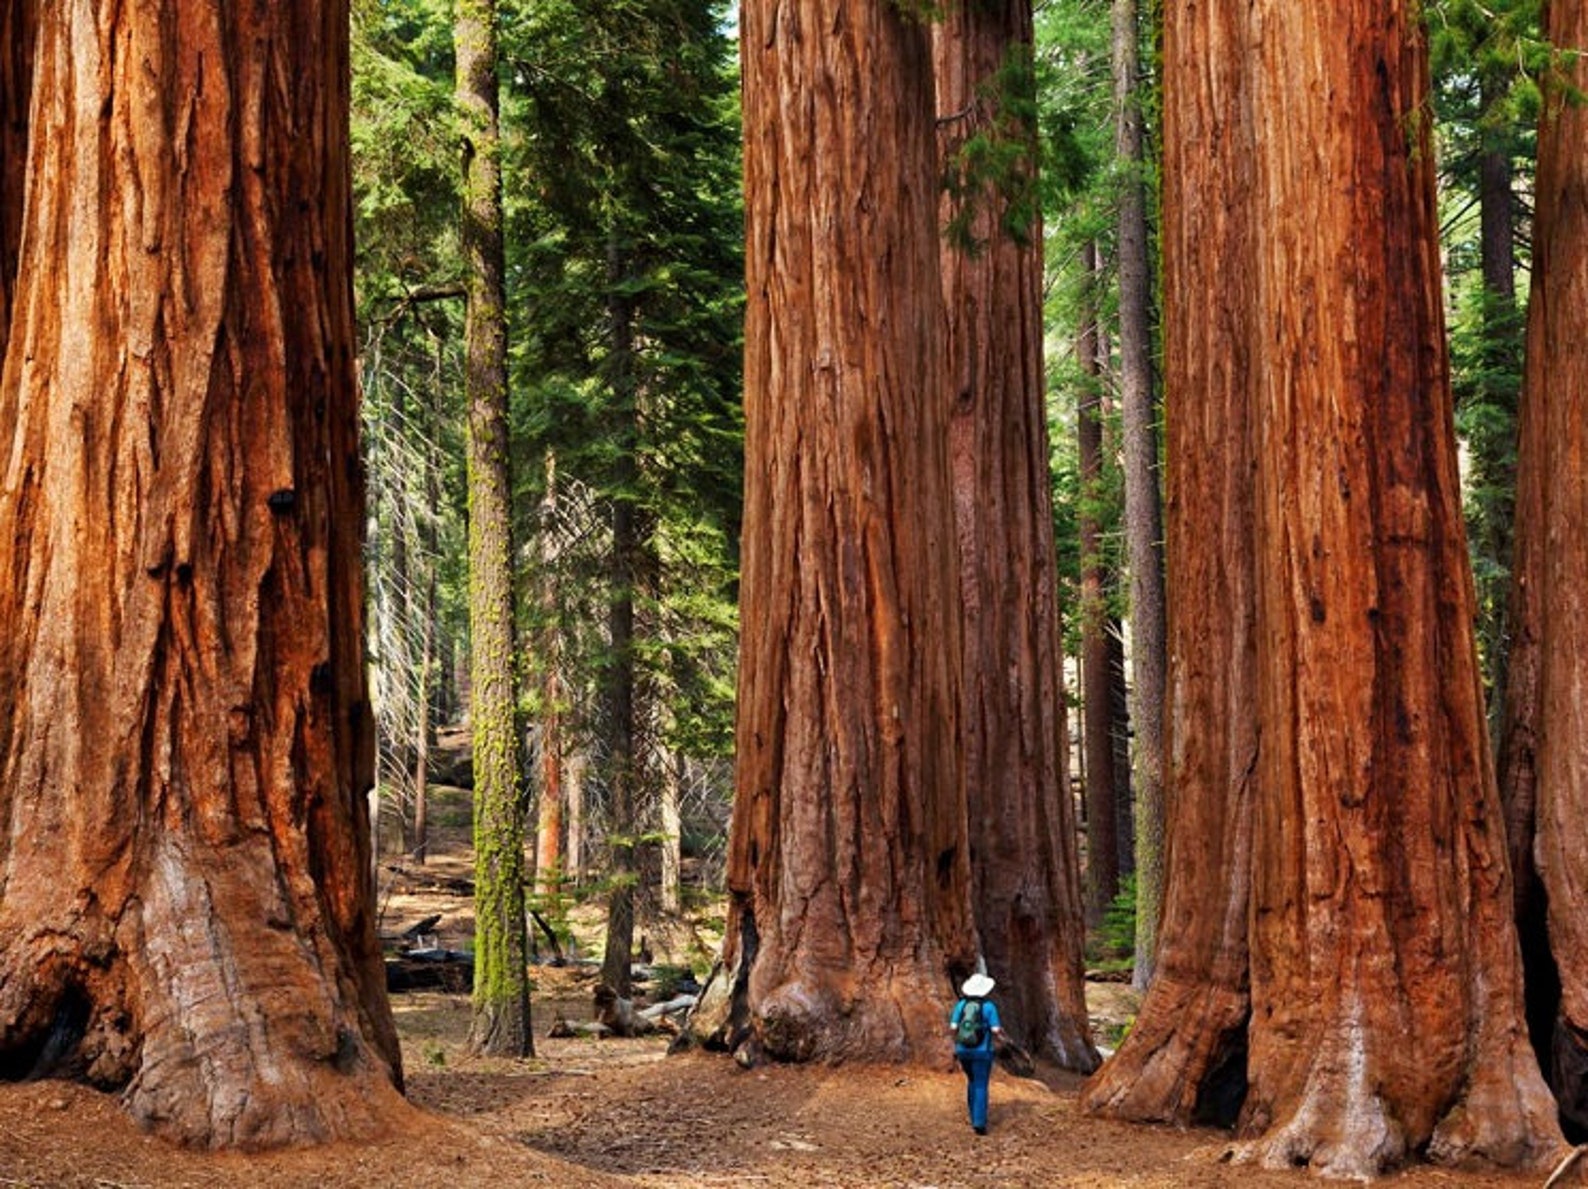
(430, 970)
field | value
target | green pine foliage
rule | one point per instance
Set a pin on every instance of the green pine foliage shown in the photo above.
(1074, 91)
(623, 191)
(1486, 60)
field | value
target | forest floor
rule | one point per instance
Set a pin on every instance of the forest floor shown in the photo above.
(611, 1112)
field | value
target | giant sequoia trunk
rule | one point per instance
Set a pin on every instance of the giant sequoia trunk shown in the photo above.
(501, 982)
(1386, 988)
(1025, 881)
(186, 909)
(1184, 1058)
(848, 873)
(1545, 762)
(1385, 984)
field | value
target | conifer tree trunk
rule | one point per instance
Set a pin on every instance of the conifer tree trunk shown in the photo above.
(550, 869)
(1386, 988)
(1545, 761)
(1143, 504)
(501, 984)
(1184, 1059)
(849, 915)
(620, 678)
(186, 744)
(1101, 882)
(1024, 861)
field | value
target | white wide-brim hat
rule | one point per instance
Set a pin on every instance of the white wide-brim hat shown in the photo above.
(977, 986)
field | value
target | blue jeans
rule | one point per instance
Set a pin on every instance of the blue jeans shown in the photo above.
(978, 1072)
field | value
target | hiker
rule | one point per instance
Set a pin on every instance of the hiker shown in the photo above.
(975, 1025)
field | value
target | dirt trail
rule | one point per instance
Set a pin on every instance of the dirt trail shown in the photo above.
(595, 1113)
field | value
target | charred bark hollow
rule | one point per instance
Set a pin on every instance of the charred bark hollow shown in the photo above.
(1386, 988)
(1544, 770)
(186, 909)
(1024, 864)
(847, 856)
(17, 23)
(1184, 1058)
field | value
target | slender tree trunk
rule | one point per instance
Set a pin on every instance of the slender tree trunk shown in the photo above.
(550, 869)
(1143, 505)
(1024, 862)
(672, 834)
(428, 661)
(501, 984)
(1119, 737)
(573, 774)
(1184, 1059)
(1386, 986)
(186, 745)
(1101, 883)
(1544, 763)
(621, 679)
(849, 915)
(1492, 446)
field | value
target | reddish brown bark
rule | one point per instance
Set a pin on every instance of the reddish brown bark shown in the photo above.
(1024, 863)
(848, 873)
(1184, 1058)
(1545, 760)
(185, 740)
(1386, 988)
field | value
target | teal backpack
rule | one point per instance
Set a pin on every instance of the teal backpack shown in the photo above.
(971, 1032)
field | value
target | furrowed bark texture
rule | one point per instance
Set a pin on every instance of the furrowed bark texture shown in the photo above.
(501, 984)
(1184, 1058)
(848, 873)
(186, 907)
(1546, 764)
(1386, 987)
(1024, 861)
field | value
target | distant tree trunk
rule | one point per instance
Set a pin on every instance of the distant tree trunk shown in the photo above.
(620, 677)
(1386, 989)
(550, 869)
(428, 663)
(1101, 883)
(1492, 444)
(1143, 506)
(1119, 736)
(186, 743)
(573, 774)
(501, 985)
(1184, 1059)
(849, 913)
(672, 825)
(1024, 862)
(422, 726)
(1544, 764)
